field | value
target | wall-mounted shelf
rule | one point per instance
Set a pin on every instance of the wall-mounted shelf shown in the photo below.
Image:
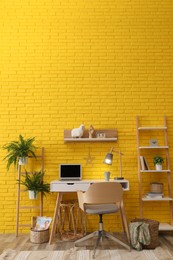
(154, 147)
(155, 171)
(157, 199)
(111, 135)
(152, 128)
(165, 226)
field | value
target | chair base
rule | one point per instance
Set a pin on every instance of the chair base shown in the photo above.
(100, 234)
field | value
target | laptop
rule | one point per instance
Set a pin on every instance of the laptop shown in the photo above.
(70, 172)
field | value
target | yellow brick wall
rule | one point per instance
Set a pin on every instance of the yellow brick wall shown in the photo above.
(98, 62)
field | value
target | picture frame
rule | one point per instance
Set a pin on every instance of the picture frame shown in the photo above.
(100, 135)
(153, 142)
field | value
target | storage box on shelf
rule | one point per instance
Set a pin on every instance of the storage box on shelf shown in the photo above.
(100, 135)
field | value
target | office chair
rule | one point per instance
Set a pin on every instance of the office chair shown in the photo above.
(103, 198)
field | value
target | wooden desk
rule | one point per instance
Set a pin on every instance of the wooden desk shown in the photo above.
(72, 186)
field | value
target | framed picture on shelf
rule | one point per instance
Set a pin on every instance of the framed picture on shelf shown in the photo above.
(100, 135)
(154, 142)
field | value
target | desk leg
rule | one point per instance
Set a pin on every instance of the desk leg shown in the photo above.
(55, 219)
(125, 225)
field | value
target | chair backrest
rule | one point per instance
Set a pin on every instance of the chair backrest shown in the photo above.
(101, 193)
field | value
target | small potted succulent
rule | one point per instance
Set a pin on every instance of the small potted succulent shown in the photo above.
(34, 184)
(158, 161)
(18, 151)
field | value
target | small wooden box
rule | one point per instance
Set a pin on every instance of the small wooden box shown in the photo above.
(156, 187)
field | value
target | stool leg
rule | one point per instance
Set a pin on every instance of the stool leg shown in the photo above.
(80, 219)
(73, 222)
(59, 227)
(68, 217)
(63, 217)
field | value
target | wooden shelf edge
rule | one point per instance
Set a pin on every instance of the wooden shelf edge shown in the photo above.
(99, 135)
(157, 199)
(152, 128)
(153, 147)
(165, 227)
(29, 207)
(154, 171)
(90, 139)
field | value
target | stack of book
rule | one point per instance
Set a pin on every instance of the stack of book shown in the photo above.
(144, 164)
(154, 195)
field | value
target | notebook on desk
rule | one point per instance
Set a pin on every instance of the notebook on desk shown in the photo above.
(70, 172)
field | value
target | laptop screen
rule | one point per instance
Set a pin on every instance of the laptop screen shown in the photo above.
(70, 171)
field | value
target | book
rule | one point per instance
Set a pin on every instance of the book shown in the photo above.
(42, 223)
(156, 197)
(153, 195)
(144, 164)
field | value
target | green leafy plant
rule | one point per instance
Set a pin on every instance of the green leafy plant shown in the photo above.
(17, 149)
(34, 182)
(158, 160)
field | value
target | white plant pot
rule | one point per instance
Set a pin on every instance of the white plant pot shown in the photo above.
(23, 160)
(158, 167)
(32, 195)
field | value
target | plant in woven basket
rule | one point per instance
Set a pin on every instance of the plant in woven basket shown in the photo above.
(18, 150)
(34, 182)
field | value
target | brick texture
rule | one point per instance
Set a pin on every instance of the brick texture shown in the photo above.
(64, 63)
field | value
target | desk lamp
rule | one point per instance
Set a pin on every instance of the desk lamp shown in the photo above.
(109, 158)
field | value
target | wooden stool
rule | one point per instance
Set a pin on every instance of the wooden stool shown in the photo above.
(70, 217)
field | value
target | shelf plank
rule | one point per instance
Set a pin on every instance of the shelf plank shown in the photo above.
(152, 128)
(165, 227)
(24, 225)
(154, 147)
(157, 199)
(90, 139)
(111, 135)
(29, 207)
(154, 171)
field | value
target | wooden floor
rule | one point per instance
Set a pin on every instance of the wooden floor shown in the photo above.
(22, 243)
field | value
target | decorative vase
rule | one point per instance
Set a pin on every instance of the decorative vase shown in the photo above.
(32, 195)
(158, 167)
(107, 176)
(23, 160)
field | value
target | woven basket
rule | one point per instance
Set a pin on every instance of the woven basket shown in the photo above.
(154, 230)
(39, 236)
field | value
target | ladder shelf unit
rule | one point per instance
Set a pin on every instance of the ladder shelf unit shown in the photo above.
(164, 149)
(19, 208)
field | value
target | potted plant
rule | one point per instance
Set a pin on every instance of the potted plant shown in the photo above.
(34, 184)
(158, 161)
(18, 151)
